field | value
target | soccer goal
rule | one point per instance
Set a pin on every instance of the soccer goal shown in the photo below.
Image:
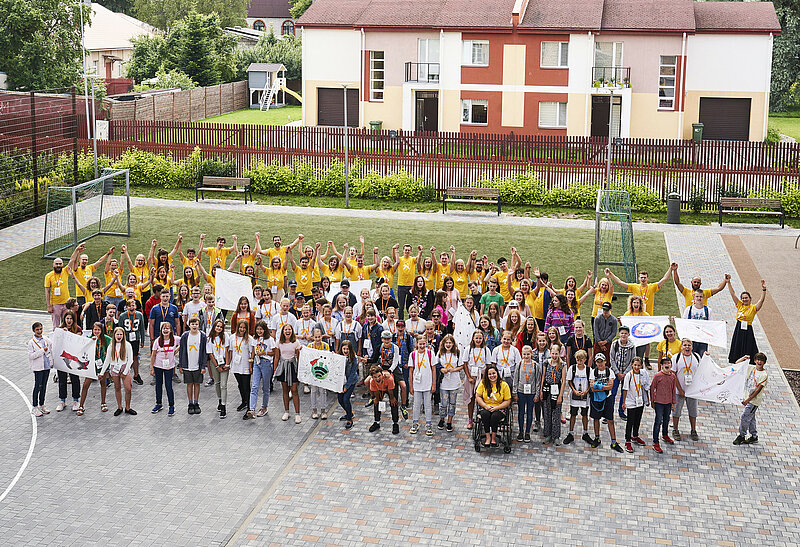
(613, 236)
(76, 213)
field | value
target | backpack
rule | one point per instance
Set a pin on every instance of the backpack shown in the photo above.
(574, 369)
(601, 396)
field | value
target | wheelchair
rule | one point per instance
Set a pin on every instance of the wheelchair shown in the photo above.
(504, 432)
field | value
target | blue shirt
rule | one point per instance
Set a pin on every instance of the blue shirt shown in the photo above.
(157, 314)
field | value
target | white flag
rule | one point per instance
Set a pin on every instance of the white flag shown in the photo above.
(463, 327)
(75, 354)
(717, 384)
(355, 288)
(645, 329)
(321, 368)
(229, 287)
(699, 330)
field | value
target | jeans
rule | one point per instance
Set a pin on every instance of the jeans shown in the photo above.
(345, 403)
(243, 381)
(632, 425)
(40, 378)
(447, 408)
(164, 378)
(748, 421)
(262, 374)
(614, 389)
(220, 382)
(663, 411)
(319, 398)
(403, 295)
(422, 398)
(62, 386)
(525, 411)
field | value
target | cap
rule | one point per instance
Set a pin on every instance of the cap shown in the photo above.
(400, 323)
(380, 281)
(300, 295)
(624, 328)
(599, 357)
(606, 305)
(386, 335)
(345, 283)
(292, 283)
(513, 304)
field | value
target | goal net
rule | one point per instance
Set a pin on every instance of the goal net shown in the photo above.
(77, 213)
(613, 240)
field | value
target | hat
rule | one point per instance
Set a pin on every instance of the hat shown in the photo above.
(599, 357)
(606, 305)
(624, 328)
(345, 283)
(299, 295)
(380, 281)
(513, 304)
(386, 334)
(292, 283)
(400, 323)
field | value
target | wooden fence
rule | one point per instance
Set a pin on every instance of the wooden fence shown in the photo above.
(182, 107)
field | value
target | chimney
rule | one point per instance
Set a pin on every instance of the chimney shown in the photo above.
(518, 12)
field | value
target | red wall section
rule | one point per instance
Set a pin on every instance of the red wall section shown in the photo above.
(531, 119)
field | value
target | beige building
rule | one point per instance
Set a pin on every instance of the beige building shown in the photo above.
(108, 41)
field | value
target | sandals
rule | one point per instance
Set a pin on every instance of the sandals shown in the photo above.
(103, 407)
(80, 411)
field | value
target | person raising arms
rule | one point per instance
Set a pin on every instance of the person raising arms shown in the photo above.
(744, 341)
(427, 269)
(406, 266)
(303, 273)
(79, 264)
(277, 249)
(445, 265)
(217, 255)
(603, 292)
(335, 268)
(644, 289)
(688, 292)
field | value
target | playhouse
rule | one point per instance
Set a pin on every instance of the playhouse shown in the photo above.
(267, 84)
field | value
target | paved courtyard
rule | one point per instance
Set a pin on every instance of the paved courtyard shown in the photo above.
(198, 480)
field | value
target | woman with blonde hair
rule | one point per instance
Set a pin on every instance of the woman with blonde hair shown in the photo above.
(119, 360)
(603, 292)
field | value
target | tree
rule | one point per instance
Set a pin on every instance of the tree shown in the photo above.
(786, 58)
(197, 49)
(299, 7)
(164, 14)
(231, 13)
(168, 80)
(118, 6)
(147, 58)
(288, 51)
(41, 43)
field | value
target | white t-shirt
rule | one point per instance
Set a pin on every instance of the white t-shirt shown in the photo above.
(392, 328)
(217, 348)
(192, 310)
(344, 329)
(421, 366)
(450, 380)
(165, 357)
(268, 345)
(193, 351)
(267, 311)
(328, 328)
(240, 354)
(581, 383)
(506, 361)
(415, 327)
(685, 368)
(696, 313)
(279, 321)
(476, 360)
(303, 328)
(637, 387)
(596, 374)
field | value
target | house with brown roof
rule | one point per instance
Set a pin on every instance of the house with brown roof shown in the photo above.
(263, 15)
(634, 68)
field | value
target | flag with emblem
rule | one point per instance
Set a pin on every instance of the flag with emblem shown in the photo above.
(323, 369)
(75, 354)
(645, 329)
(229, 287)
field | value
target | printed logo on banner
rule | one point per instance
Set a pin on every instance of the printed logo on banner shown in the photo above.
(319, 369)
(646, 330)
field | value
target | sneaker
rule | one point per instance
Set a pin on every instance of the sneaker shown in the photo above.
(604, 421)
(622, 415)
(639, 441)
(138, 380)
(414, 428)
(739, 440)
(556, 441)
(285, 416)
(176, 379)
(157, 408)
(343, 418)
(667, 439)
(374, 427)
(132, 412)
(297, 418)
(368, 404)
(348, 424)
(536, 426)
(37, 412)
(197, 408)
(753, 439)
(314, 414)
(657, 448)
(44, 409)
(616, 447)
(694, 436)
(596, 442)
(441, 423)
(210, 382)
(569, 438)
(395, 428)
(222, 413)
(527, 438)
(324, 415)
(429, 430)
(306, 389)
(171, 411)
(520, 437)
(262, 412)
(248, 415)
(676, 434)
(404, 412)
(190, 408)
(118, 412)
(628, 447)
(219, 406)
(75, 406)
(449, 426)
(587, 438)
(241, 407)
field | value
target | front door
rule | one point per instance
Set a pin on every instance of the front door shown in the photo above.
(427, 111)
(601, 116)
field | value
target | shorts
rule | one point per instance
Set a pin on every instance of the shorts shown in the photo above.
(573, 410)
(135, 347)
(469, 391)
(691, 405)
(602, 410)
(192, 377)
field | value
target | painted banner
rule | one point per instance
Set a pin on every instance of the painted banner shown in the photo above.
(323, 369)
(463, 327)
(229, 287)
(717, 384)
(355, 288)
(74, 354)
(699, 330)
(645, 329)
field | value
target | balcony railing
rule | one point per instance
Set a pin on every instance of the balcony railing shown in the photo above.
(422, 72)
(611, 76)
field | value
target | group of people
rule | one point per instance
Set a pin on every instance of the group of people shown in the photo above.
(527, 342)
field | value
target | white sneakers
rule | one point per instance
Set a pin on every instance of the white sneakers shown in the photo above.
(262, 412)
(37, 412)
(297, 419)
(314, 414)
(44, 409)
(61, 406)
(324, 415)
(285, 416)
(306, 389)
(75, 406)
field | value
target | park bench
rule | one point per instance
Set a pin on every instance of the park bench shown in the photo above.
(224, 184)
(468, 194)
(751, 206)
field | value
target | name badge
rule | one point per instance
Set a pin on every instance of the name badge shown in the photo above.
(98, 365)
(57, 291)
(687, 377)
(505, 370)
(742, 324)
(117, 292)
(132, 337)
(237, 359)
(526, 389)
(638, 401)
(473, 371)
(554, 390)
(165, 363)
(382, 406)
(562, 330)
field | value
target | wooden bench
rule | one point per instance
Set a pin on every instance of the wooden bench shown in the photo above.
(224, 184)
(747, 206)
(468, 194)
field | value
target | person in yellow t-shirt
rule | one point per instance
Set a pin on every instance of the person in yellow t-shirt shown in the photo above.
(83, 271)
(744, 341)
(445, 265)
(303, 272)
(334, 270)
(460, 278)
(644, 289)
(277, 249)
(494, 399)
(688, 292)
(141, 269)
(56, 291)
(572, 283)
(386, 267)
(476, 269)
(358, 271)
(670, 345)
(427, 269)
(501, 273)
(187, 260)
(603, 292)
(350, 256)
(115, 281)
(276, 277)
(406, 272)
(219, 253)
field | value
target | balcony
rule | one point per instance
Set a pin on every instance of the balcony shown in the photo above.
(422, 72)
(611, 76)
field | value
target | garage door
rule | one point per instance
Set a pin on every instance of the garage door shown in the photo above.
(725, 119)
(330, 106)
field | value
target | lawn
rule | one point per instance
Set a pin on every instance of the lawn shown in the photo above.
(273, 116)
(787, 123)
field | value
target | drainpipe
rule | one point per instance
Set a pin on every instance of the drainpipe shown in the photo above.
(587, 106)
(303, 80)
(441, 88)
(683, 85)
(361, 87)
(767, 88)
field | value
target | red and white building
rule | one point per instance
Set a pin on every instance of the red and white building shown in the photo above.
(263, 15)
(537, 66)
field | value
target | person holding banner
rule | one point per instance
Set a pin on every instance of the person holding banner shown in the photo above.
(670, 345)
(100, 349)
(755, 386)
(685, 364)
(40, 361)
(698, 310)
(69, 323)
(119, 360)
(744, 341)
(285, 359)
(319, 395)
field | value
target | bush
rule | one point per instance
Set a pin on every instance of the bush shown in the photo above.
(64, 167)
(773, 136)
(197, 167)
(267, 178)
(149, 169)
(522, 189)
(790, 198)
(697, 199)
(577, 196)
(643, 198)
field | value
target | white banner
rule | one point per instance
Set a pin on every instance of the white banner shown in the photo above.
(75, 354)
(321, 368)
(229, 287)
(718, 385)
(645, 329)
(463, 327)
(699, 330)
(355, 288)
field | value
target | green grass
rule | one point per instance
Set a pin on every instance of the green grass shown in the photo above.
(787, 123)
(273, 116)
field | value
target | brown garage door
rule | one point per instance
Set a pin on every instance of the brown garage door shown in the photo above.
(725, 119)
(330, 106)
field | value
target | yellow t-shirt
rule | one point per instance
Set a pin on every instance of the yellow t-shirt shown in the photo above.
(249, 260)
(303, 278)
(387, 274)
(114, 291)
(599, 300)
(322, 346)
(495, 397)
(647, 293)
(359, 274)
(334, 275)
(461, 282)
(217, 256)
(84, 275)
(538, 305)
(58, 284)
(272, 252)
(578, 294)
(187, 263)
(430, 279)
(442, 272)
(745, 313)
(276, 279)
(530, 300)
(688, 295)
(637, 314)
(406, 270)
(478, 278)
(674, 348)
(142, 274)
(503, 290)
(316, 277)
(137, 290)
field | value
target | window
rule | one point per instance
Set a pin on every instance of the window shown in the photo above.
(475, 111)
(554, 54)
(259, 25)
(287, 28)
(667, 72)
(376, 75)
(552, 114)
(608, 54)
(428, 59)
(475, 52)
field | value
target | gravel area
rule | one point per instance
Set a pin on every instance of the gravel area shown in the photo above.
(793, 376)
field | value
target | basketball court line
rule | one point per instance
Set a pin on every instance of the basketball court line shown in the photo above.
(33, 438)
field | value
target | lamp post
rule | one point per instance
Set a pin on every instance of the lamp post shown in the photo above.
(346, 150)
(83, 56)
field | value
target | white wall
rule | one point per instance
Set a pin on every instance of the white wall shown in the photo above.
(332, 55)
(450, 60)
(581, 58)
(726, 62)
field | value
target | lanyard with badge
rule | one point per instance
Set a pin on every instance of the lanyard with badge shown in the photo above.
(505, 367)
(131, 325)
(419, 365)
(527, 387)
(165, 363)
(742, 317)
(57, 288)
(237, 354)
(687, 370)
(476, 360)
(637, 383)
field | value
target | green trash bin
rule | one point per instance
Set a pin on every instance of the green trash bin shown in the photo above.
(697, 132)
(376, 125)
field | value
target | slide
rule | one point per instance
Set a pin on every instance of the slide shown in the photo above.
(292, 93)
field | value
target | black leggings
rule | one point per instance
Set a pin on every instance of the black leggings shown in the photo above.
(491, 419)
(62, 385)
(243, 380)
(376, 413)
(632, 425)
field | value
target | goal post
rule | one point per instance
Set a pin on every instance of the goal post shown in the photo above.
(613, 239)
(73, 214)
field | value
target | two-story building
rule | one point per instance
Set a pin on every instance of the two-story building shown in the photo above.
(647, 68)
